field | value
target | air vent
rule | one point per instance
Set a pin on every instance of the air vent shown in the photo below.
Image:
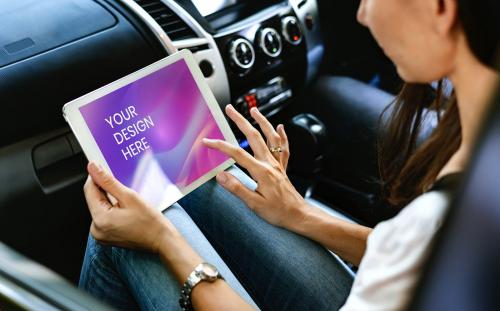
(173, 25)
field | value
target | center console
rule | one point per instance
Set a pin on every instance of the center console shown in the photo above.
(265, 59)
(253, 53)
(263, 49)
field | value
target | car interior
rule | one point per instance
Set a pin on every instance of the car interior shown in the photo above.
(307, 64)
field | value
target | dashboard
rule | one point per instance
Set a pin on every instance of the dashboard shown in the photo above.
(251, 53)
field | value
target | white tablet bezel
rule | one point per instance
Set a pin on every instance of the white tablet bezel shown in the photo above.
(72, 114)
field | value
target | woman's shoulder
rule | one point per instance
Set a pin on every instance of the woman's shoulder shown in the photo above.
(395, 253)
(428, 210)
(413, 228)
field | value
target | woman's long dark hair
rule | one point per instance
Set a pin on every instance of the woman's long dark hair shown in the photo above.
(407, 169)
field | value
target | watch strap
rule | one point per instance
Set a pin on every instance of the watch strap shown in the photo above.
(187, 288)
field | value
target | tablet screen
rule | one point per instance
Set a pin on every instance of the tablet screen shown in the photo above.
(150, 133)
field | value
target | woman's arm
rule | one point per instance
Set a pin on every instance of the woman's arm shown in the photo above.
(132, 223)
(178, 255)
(345, 239)
(275, 198)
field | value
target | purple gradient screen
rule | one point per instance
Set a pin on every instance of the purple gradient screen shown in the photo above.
(150, 132)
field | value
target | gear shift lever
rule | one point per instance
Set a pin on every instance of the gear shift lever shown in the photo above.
(308, 147)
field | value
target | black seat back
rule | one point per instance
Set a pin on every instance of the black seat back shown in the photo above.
(463, 273)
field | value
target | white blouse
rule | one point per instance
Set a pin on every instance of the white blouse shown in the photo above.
(395, 254)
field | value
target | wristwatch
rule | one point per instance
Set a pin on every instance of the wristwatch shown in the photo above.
(204, 272)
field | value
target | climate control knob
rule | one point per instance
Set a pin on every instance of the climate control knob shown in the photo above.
(270, 42)
(242, 54)
(291, 30)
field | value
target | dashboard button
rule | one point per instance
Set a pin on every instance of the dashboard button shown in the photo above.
(242, 54)
(270, 42)
(206, 68)
(291, 30)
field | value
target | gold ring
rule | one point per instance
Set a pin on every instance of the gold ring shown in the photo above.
(275, 150)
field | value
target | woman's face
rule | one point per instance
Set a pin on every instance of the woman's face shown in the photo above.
(418, 35)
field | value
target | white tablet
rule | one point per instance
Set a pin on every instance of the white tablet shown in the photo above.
(147, 129)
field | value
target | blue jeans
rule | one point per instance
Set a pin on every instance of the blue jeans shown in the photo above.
(280, 270)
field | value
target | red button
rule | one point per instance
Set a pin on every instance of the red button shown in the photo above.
(251, 101)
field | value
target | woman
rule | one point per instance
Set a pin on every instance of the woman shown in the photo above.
(267, 234)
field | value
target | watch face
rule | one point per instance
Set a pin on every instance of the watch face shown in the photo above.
(210, 271)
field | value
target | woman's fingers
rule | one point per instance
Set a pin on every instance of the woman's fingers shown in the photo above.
(273, 139)
(285, 146)
(233, 185)
(255, 140)
(96, 199)
(242, 157)
(107, 182)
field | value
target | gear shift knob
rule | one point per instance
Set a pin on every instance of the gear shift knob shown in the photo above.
(308, 144)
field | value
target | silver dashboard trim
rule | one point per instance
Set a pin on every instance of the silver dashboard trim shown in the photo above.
(152, 25)
(284, 23)
(281, 97)
(314, 39)
(254, 19)
(262, 44)
(234, 58)
(187, 43)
